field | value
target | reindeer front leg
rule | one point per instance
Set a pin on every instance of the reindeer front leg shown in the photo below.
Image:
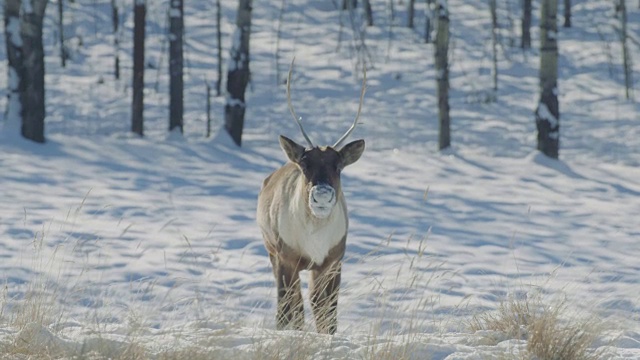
(290, 313)
(325, 284)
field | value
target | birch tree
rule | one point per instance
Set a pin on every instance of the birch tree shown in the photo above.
(547, 113)
(176, 84)
(238, 73)
(23, 20)
(442, 73)
(137, 103)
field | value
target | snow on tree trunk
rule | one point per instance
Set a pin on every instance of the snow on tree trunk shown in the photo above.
(238, 73)
(548, 114)
(176, 84)
(137, 102)
(526, 25)
(13, 42)
(442, 73)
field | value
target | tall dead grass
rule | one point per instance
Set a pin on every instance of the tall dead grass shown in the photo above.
(553, 330)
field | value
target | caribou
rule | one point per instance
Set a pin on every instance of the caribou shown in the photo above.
(302, 214)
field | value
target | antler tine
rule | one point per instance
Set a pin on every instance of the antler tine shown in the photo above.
(295, 117)
(355, 121)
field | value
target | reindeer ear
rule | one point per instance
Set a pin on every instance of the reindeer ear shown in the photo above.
(351, 152)
(293, 151)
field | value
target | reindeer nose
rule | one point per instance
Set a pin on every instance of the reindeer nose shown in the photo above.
(323, 194)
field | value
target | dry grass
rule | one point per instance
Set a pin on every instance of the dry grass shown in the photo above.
(552, 330)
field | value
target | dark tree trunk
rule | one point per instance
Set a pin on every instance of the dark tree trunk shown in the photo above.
(25, 55)
(219, 44)
(115, 21)
(238, 73)
(442, 76)
(626, 58)
(63, 49)
(368, 12)
(411, 13)
(567, 13)
(526, 25)
(33, 96)
(137, 104)
(494, 47)
(176, 85)
(548, 113)
(349, 4)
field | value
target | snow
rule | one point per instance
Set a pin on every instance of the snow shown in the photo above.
(150, 244)
(545, 114)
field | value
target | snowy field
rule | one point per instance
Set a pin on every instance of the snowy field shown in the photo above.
(114, 246)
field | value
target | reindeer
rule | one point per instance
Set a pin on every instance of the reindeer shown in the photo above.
(302, 214)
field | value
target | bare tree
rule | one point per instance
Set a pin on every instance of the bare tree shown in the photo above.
(442, 73)
(176, 82)
(428, 23)
(238, 73)
(137, 104)
(63, 50)
(567, 13)
(494, 47)
(411, 10)
(219, 45)
(547, 113)
(115, 21)
(626, 57)
(368, 12)
(25, 55)
(526, 25)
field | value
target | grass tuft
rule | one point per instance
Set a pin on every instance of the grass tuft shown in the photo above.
(552, 330)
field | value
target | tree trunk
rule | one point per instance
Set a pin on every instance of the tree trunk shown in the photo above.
(176, 84)
(428, 27)
(567, 13)
(13, 42)
(63, 50)
(238, 73)
(368, 12)
(219, 43)
(494, 44)
(349, 4)
(526, 25)
(628, 80)
(411, 13)
(115, 21)
(137, 104)
(548, 114)
(442, 74)
(33, 96)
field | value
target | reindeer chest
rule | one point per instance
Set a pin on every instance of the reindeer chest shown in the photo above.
(311, 238)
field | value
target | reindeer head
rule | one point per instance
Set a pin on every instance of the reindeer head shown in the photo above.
(321, 165)
(320, 168)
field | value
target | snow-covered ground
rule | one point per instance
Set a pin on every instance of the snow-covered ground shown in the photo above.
(129, 246)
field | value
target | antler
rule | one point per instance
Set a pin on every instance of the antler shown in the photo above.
(295, 117)
(355, 121)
